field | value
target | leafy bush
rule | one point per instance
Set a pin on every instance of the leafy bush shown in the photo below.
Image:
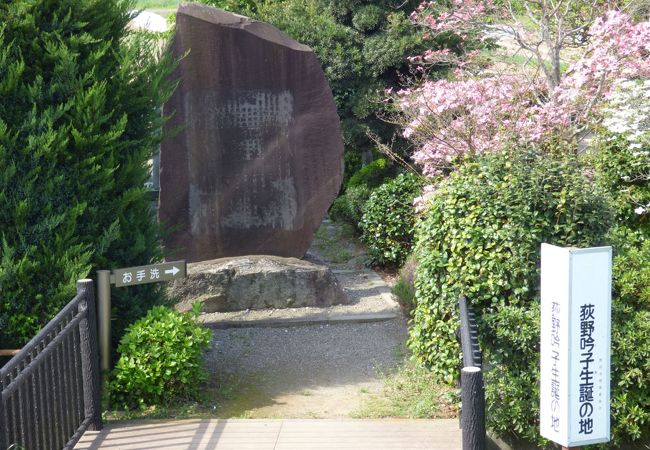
(161, 359)
(631, 338)
(388, 220)
(348, 208)
(79, 120)
(372, 174)
(623, 170)
(481, 237)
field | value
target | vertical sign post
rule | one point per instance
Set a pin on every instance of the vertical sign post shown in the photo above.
(104, 317)
(129, 276)
(575, 345)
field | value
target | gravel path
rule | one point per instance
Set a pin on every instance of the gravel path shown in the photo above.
(318, 371)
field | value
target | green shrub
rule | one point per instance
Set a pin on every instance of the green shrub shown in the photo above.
(388, 220)
(481, 236)
(161, 360)
(372, 174)
(348, 208)
(631, 339)
(79, 119)
(623, 171)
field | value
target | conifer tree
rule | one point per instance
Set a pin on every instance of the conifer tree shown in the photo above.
(79, 119)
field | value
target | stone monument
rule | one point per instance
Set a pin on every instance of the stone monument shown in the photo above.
(258, 159)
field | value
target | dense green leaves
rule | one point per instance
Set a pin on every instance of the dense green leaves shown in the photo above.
(388, 220)
(78, 122)
(631, 338)
(481, 237)
(161, 360)
(348, 207)
(623, 170)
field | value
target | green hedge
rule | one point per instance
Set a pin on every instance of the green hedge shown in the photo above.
(630, 338)
(161, 360)
(79, 119)
(623, 171)
(481, 237)
(348, 208)
(388, 220)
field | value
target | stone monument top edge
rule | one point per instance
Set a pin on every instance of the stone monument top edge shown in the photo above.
(262, 30)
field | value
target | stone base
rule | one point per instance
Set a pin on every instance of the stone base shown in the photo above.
(256, 282)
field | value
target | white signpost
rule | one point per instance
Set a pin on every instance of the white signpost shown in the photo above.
(575, 345)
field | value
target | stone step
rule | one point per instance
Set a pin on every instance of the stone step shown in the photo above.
(317, 318)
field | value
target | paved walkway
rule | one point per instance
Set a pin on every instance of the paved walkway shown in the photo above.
(244, 434)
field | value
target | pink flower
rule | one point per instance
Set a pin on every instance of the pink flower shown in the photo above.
(469, 114)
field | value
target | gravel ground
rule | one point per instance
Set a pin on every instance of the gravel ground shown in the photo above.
(307, 371)
(316, 370)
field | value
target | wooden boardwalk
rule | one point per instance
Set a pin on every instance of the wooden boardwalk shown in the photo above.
(305, 434)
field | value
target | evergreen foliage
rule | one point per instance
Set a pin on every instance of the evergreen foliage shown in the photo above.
(389, 219)
(348, 207)
(480, 237)
(623, 170)
(79, 119)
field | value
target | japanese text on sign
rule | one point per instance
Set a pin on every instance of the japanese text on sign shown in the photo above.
(555, 371)
(586, 394)
(132, 276)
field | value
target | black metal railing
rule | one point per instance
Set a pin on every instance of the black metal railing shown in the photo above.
(469, 335)
(472, 417)
(51, 388)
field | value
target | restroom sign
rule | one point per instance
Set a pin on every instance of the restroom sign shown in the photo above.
(153, 273)
(576, 287)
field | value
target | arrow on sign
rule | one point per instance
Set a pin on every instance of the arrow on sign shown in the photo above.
(173, 271)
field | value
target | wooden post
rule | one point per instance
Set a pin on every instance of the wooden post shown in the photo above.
(104, 316)
(473, 404)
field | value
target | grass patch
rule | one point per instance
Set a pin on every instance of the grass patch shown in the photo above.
(411, 393)
(224, 397)
(156, 4)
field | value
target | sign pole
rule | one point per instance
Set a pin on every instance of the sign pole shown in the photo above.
(104, 317)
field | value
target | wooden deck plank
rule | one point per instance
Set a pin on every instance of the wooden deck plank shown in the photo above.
(296, 434)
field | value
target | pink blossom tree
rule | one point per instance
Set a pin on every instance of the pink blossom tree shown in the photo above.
(483, 107)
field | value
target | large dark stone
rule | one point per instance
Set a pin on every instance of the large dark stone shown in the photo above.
(259, 158)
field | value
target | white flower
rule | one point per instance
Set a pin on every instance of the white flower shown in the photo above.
(640, 210)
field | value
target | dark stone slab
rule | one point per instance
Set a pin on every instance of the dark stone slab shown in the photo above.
(259, 159)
